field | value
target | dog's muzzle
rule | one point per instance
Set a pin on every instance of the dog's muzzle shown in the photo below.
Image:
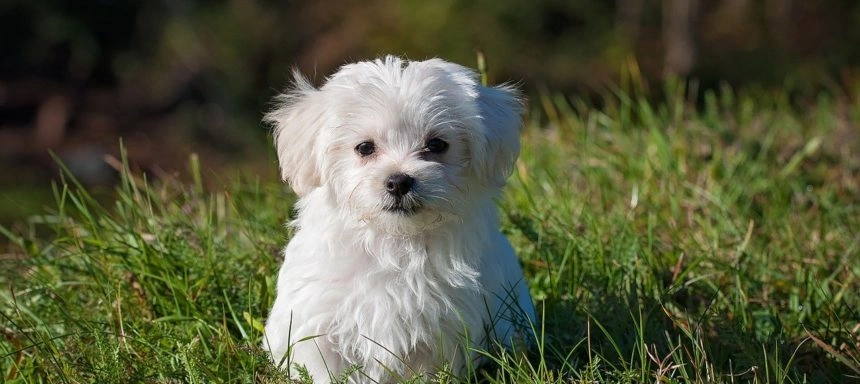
(400, 191)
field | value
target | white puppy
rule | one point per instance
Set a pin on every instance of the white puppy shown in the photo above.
(397, 265)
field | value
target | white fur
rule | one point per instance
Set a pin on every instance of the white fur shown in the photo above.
(396, 294)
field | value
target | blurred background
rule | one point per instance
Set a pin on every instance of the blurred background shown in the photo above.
(176, 77)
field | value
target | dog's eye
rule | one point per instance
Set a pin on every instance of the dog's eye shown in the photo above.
(436, 145)
(365, 148)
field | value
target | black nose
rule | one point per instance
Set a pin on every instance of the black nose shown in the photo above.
(399, 184)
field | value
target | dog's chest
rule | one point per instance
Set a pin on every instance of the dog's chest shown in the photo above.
(417, 304)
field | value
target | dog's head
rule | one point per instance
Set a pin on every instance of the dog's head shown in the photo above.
(398, 144)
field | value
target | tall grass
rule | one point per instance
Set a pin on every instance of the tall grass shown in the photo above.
(663, 242)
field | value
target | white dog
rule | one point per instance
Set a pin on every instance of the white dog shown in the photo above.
(397, 266)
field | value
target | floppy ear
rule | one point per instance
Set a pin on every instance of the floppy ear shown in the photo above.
(298, 119)
(495, 150)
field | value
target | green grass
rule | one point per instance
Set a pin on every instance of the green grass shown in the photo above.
(663, 243)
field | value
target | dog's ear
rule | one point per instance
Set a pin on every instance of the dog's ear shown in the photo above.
(495, 152)
(298, 119)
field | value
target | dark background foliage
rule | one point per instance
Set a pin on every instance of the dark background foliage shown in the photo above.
(175, 77)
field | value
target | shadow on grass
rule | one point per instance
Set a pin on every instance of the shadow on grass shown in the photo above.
(613, 311)
(640, 339)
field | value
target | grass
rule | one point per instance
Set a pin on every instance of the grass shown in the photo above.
(663, 243)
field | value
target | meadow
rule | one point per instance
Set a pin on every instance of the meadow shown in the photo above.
(668, 236)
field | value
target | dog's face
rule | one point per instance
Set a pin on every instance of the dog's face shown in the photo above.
(401, 146)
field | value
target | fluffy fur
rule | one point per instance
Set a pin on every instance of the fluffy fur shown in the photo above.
(397, 276)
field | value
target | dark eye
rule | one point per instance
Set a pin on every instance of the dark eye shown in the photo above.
(366, 148)
(436, 145)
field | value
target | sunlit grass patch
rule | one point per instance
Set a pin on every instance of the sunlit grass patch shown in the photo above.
(663, 242)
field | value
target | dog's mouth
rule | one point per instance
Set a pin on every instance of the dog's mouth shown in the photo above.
(402, 209)
(406, 205)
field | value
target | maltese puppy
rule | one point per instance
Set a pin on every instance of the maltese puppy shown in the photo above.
(397, 268)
